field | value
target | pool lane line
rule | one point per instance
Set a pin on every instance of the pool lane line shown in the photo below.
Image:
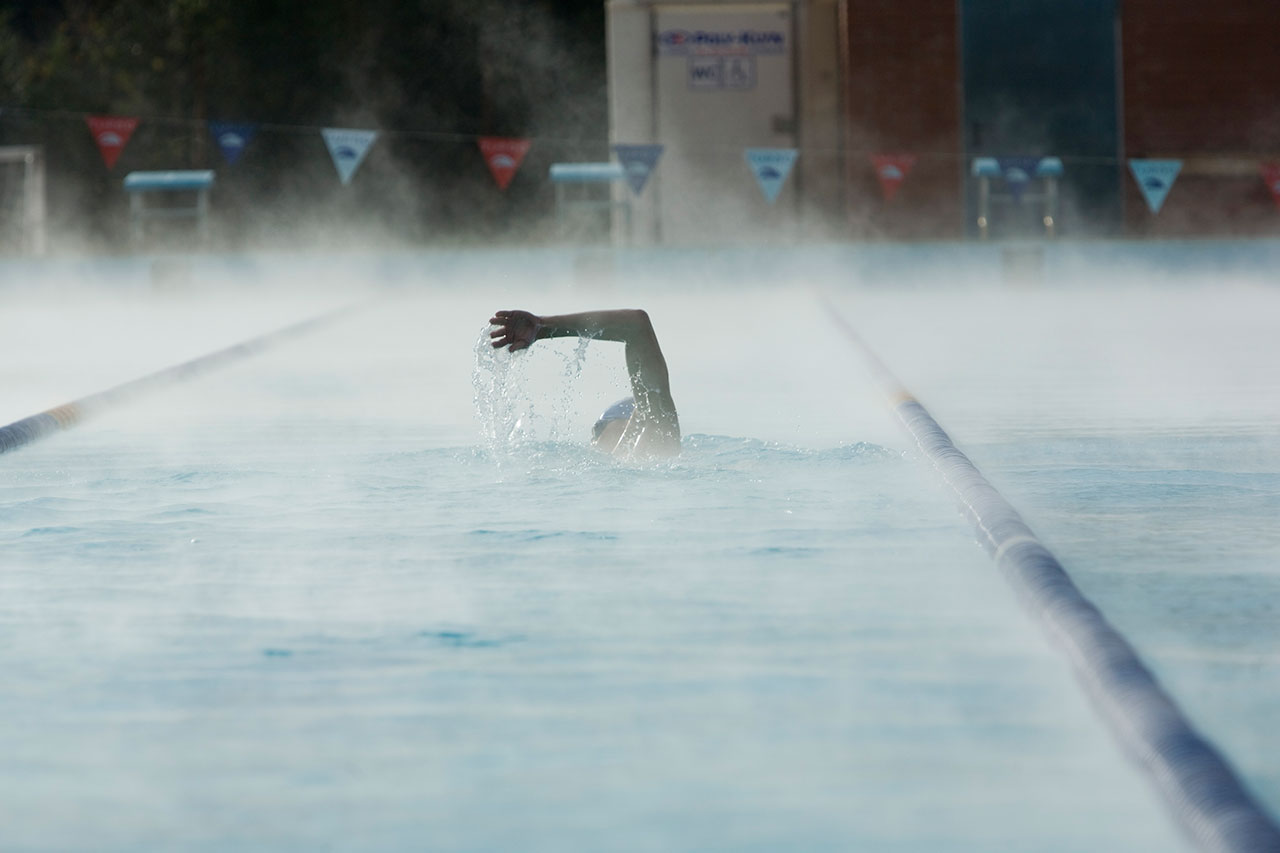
(35, 427)
(1203, 791)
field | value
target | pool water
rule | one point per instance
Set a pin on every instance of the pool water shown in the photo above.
(332, 597)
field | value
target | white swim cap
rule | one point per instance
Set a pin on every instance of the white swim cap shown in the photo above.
(619, 411)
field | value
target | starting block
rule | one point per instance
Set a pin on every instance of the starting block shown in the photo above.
(564, 175)
(195, 185)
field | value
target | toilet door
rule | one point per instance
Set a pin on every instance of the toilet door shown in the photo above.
(724, 83)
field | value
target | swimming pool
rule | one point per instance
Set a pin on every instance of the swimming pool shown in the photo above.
(310, 600)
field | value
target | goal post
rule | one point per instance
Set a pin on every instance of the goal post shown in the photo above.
(22, 200)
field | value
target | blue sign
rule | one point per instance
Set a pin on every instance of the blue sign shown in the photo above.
(1155, 178)
(638, 161)
(721, 42)
(347, 148)
(232, 137)
(1017, 173)
(771, 167)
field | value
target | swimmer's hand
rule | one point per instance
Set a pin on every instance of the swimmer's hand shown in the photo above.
(516, 329)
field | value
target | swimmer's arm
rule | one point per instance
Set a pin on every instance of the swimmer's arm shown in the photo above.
(645, 363)
(650, 382)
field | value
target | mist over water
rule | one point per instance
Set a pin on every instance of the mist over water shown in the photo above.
(372, 587)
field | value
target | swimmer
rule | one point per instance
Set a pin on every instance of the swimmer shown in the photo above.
(644, 424)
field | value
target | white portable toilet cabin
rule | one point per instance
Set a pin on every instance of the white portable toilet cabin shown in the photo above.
(708, 79)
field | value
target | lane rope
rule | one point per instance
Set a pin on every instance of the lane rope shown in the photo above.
(1200, 787)
(43, 424)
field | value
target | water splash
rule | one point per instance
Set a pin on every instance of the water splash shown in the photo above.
(491, 385)
(513, 408)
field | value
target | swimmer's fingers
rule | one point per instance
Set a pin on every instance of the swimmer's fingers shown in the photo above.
(516, 330)
(502, 335)
(507, 341)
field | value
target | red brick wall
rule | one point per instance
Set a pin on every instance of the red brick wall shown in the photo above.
(902, 95)
(1202, 81)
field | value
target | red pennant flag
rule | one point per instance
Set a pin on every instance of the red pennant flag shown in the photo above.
(112, 134)
(1271, 175)
(892, 170)
(504, 157)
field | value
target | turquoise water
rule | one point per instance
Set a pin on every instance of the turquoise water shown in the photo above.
(313, 600)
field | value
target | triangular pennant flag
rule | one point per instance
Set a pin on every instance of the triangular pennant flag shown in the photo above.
(1271, 176)
(504, 157)
(892, 170)
(347, 147)
(771, 167)
(112, 134)
(1017, 173)
(232, 137)
(1155, 178)
(638, 162)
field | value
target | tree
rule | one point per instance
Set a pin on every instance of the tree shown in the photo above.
(433, 74)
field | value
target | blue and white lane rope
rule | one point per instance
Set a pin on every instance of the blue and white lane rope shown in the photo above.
(1203, 791)
(31, 429)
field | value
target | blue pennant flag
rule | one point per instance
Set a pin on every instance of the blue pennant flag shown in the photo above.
(1155, 178)
(638, 161)
(347, 148)
(771, 167)
(232, 137)
(1017, 173)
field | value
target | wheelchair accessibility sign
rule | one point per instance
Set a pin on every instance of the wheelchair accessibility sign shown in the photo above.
(718, 73)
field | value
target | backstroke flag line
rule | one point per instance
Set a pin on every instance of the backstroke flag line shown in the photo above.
(638, 162)
(503, 156)
(1155, 178)
(112, 135)
(771, 167)
(347, 147)
(232, 137)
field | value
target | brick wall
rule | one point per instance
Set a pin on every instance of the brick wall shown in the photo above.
(1202, 82)
(902, 95)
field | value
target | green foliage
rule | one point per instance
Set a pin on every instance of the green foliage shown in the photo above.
(10, 61)
(434, 73)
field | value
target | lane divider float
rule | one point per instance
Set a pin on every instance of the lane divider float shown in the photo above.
(1204, 793)
(35, 427)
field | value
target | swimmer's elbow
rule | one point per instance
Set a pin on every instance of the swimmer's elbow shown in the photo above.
(639, 320)
(638, 317)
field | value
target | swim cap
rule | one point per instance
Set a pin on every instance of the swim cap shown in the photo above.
(619, 411)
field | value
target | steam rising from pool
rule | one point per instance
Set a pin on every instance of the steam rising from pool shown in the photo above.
(310, 562)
